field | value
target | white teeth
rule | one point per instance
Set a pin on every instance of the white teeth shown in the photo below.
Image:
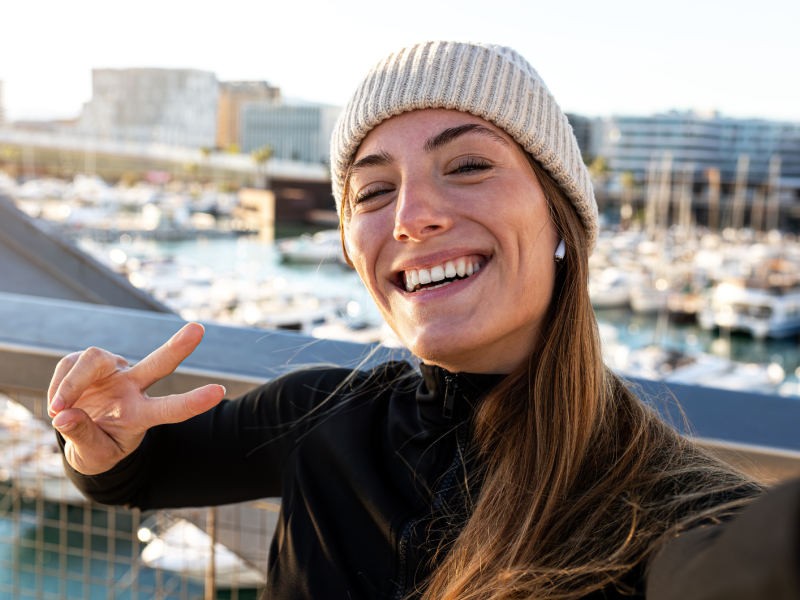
(462, 267)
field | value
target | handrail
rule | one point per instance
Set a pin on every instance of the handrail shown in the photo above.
(35, 333)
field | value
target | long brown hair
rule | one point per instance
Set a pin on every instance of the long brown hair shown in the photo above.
(580, 481)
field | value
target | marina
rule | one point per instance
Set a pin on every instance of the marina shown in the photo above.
(682, 305)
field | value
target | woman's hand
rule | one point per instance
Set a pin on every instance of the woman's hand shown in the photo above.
(100, 406)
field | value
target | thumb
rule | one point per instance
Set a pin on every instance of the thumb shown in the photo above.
(179, 407)
(93, 450)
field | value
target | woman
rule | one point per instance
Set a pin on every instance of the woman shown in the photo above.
(514, 464)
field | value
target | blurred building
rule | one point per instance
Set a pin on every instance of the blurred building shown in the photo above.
(177, 107)
(582, 128)
(701, 141)
(2, 110)
(232, 94)
(295, 131)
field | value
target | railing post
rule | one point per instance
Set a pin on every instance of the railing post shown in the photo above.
(211, 530)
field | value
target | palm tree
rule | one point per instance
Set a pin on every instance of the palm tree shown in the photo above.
(205, 152)
(627, 181)
(261, 157)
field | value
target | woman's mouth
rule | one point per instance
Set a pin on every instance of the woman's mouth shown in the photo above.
(431, 278)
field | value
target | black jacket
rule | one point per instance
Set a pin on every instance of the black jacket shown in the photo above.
(371, 469)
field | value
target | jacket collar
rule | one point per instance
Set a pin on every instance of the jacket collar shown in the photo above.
(472, 386)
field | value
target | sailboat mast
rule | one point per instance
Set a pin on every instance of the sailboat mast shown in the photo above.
(665, 195)
(685, 217)
(740, 194)
(713, 199)
(774, 192)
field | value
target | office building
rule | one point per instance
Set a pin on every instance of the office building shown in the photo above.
(697, 140)
(295, 130)
(177, 107)
(232, 94)
(582, 128)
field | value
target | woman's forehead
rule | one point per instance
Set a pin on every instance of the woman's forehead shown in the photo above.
(413, 129)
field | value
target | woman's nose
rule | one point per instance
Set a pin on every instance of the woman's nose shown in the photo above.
(421, 213)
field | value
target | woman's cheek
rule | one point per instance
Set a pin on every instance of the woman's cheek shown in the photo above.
(364, 247)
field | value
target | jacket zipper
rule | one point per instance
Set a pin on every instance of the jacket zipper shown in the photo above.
(447, 480)
(450, 391)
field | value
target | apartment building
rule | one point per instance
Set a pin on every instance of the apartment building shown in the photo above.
(176, 107)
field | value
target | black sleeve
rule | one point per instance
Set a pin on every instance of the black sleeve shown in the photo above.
(755, 555)
(233, 453)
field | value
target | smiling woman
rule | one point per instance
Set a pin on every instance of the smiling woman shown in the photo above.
(510, 463)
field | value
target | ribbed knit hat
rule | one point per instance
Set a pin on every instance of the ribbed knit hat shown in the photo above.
(491, 82)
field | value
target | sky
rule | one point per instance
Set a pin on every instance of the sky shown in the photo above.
(597, 57)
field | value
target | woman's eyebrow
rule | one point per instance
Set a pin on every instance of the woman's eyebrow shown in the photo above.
(381, 159)
(448, 135)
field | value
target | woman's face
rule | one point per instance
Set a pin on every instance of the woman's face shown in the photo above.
(450, 231)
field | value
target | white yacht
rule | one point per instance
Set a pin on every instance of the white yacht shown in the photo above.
(760, 310)
(322, 247)
(665, 364)
(611, 287)
(650, 298)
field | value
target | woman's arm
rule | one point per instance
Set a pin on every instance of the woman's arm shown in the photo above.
(756, 555)
(232, 453)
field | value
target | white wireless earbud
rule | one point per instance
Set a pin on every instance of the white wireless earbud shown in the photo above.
(560, 251)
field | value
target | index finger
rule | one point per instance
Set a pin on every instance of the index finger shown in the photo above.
(163, 361)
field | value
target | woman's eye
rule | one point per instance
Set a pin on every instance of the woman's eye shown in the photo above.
(371, 193)
(471, 166)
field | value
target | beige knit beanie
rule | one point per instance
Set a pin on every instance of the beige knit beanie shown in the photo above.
(491, 82)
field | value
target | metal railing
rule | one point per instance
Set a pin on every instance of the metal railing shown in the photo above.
(55, 544)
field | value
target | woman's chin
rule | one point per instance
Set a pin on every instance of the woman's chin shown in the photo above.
(452, 352)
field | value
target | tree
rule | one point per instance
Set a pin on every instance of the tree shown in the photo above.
(627, 181)
(599, 168)
(261, 157)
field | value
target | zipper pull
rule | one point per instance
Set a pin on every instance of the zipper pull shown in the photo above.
(450, 391)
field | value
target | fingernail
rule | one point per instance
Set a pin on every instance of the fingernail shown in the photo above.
(57, 405)
(68, 426)
(224, 391)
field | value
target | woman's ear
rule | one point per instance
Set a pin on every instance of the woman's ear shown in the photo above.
(560, 251)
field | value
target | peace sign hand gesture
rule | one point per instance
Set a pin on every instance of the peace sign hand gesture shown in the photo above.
(100, 406)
